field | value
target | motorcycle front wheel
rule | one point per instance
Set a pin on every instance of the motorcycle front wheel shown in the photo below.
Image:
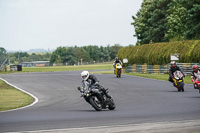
(96, 104)
(111, 105)
(182, 86)
(119, 73)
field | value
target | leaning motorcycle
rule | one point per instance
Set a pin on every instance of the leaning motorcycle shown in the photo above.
(197, 83)
(179, 80)
(96, 97)
(118, 70)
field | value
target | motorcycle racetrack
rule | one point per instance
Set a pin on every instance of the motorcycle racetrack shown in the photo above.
(139, 101)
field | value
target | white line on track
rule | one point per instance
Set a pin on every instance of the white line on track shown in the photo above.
(35, 101)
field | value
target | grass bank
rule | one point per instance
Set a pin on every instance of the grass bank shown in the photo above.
(151, 76)
(11, 98)
(68, 68)
(100, 66)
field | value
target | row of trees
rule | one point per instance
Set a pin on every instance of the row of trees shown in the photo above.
(19, 57)
(167, 20)
(65, 55)
(73, 55)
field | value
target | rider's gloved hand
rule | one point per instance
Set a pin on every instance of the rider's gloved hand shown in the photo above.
(96, 84)
(79, 88)
(193, 81)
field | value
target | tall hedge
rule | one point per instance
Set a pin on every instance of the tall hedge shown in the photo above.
(160, 53)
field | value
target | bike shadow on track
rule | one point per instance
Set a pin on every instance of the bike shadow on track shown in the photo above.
(87, 110)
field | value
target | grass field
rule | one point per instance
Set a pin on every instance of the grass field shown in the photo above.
(151, 76)
(11, 98)
(100, 66)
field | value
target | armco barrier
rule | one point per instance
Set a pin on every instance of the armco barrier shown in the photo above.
(160, 69)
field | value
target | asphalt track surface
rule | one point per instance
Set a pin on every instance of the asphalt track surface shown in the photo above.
(138, 101)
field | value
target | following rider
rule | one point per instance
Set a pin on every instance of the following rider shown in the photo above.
(93, 82)
(172, 69)
(194, 73)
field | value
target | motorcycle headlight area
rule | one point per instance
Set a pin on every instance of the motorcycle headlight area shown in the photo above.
(177, 78)
(87, 94)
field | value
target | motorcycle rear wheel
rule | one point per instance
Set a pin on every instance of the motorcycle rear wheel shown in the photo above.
(94, 101)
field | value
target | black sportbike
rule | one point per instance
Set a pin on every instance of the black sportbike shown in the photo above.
(96, 97)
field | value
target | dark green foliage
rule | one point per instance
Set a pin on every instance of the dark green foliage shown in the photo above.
(150, 21)
(167, 20)
(159, 53)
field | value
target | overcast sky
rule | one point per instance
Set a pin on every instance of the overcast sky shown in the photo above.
(48, 24)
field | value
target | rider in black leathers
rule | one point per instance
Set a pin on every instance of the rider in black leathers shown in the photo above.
(117, 60)
(93, 81)
(172, 69)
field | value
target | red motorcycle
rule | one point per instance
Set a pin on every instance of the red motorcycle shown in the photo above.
(197, 83)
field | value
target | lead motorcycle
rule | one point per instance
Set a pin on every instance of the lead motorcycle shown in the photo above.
(179, 80)
(118, 70)
(96, 97)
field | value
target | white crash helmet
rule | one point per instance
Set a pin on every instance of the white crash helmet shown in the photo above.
(85, 75)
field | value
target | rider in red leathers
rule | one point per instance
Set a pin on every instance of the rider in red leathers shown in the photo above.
(194, 73)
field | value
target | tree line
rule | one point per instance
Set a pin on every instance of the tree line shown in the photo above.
(167, 20)
(89, 54)
(65, 55)
(20, 57)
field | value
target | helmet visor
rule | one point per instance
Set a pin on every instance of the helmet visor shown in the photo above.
(195, 69)
(84, 76)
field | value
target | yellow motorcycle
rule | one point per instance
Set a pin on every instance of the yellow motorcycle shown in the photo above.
(118, 70)
(179, 80)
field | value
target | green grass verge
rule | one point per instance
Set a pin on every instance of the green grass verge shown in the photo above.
(67, 68)
(164, 77)
(100, 66)
(11, 98)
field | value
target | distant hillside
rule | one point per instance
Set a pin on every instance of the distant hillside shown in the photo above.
(33, 51)
(39, 51)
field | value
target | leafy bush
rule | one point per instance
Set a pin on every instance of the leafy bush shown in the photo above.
(159, 53)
